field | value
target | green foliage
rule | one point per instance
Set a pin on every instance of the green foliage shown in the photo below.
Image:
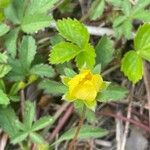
(132, 64)
(112, 93)
(123, 23)
(104, 51)
(97, 9)
(28, 128)
(4, 67)
(86, 58)
(73, 31)
(85, 132)
(7, 121)
(3, 29)
(52, 87)
(35, 22)
(4, 100)
(67, 51)
(78, 46)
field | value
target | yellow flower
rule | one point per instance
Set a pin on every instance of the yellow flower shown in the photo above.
(84, 86)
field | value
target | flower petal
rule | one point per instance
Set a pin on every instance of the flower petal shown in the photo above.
(75, 81)
(97, 81)
(85, 91)
(68, 97)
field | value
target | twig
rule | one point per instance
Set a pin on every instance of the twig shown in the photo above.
(57, 115)
(126, 130)
(61, 123)
(119, 130)
(147, 86)
(110, 70)
(137, 123)
(3, 141)
(72, 144)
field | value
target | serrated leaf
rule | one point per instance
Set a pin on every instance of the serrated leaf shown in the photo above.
(36, 138)
(53, 87)
(104, 51)
(4, 67)
(140, 5)
(19, 137)
(11, 42)
(132, 66)
(4, 100)
(35, 22)
(112, 93)
(29, 114)
(74, 31)
(42, 123)
(40, 6)
(145, 52)
(142, 15)
(4, 29)
(42, 70)
(118, 21)
(126, 7)
(27, 51)
(63, 52)
(97, 9)
(142, 38)
(85, 132)
(127, 28)
(7, 121)
(86, 58)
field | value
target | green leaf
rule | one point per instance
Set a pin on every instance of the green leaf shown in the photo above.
(115, 3)
(74, 31)
(126, 7)
(97, 69)
(62, 52)
(127, 28)
(132, 66)
(52, 87)
(142, 15)
(42, 70)
(145, 52)
(27, 51)
(4, 29)
(140, 5)
(29, 114)
(4, 3)
(118, 21)
(69, 72)
(7, 121)
(112, 93)
(104, 51)
(4, 67)
(11, 42)
(14, 89)
(19, 137)
(85, 132)
(35, 22)
(142, 38)
(4, 100)
(40, 6)
(15, 11)
(97, 9)
(42, 123)
(2, 85)
(86, 58)
(36, 138)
